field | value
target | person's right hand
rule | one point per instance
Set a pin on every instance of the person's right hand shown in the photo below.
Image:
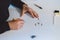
(16, 24)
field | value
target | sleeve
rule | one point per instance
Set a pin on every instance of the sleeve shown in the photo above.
(17, 3)
(4, 27)
(4, 14)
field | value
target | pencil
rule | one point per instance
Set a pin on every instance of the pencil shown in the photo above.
(38, 6)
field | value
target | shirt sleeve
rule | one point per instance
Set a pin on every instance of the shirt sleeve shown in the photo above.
(4, 14)
(4, 27)
(17, 3)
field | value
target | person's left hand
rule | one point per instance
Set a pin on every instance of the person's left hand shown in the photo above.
(28, 10)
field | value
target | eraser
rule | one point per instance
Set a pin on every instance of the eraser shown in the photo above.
(33, 36)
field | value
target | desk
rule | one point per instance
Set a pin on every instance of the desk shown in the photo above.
(48, 30)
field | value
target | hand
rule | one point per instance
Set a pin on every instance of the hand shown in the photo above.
(16, 24)
(28, 10)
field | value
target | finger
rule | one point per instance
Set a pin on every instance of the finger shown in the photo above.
(21, 22)
(20, 26)
(18, 19)
(31, 13)
(35, 14)
(23, 11)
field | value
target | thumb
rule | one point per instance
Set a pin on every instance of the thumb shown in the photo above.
(23, 11)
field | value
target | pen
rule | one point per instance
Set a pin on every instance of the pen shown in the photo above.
(38, 6)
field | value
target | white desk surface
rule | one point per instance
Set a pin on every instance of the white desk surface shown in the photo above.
(48, 31)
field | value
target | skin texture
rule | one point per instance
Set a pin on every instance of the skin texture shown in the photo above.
(16, 24)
